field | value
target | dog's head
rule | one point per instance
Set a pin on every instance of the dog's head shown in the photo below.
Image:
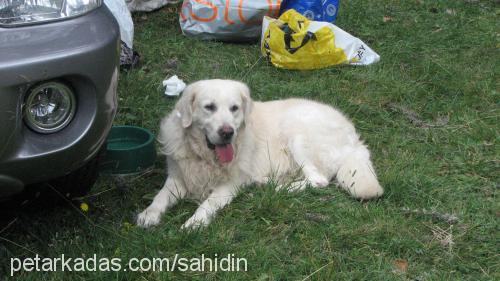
(217, 108)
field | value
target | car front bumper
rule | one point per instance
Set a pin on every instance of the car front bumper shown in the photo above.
(84, 53)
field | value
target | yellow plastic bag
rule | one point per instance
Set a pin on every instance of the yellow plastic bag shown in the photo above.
(294, 42)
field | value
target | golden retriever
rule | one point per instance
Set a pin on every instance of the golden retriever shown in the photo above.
(217, 140)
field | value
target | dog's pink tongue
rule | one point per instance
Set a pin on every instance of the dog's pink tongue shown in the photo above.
(224, 153)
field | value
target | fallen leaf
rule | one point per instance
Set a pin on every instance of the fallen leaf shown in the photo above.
(437, 29)
(172, 10)
(442, 121)
(263, 277)
(326, 198)
(487, 143)
(387, 19)
(172, 63)
(451, 12)
(401, 265)
(317, 217)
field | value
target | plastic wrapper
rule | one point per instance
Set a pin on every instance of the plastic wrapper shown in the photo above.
(147, 5)
(122, 15)
(294, 42)
(173, 86)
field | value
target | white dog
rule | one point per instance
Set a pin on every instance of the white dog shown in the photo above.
(217, 140)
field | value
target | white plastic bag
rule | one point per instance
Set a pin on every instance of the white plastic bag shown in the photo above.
(147, 5)
(122, 15)
(227, 20)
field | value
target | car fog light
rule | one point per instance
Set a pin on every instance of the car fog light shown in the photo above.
(49, 107)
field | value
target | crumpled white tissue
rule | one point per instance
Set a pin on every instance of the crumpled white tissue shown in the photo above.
(174, 86)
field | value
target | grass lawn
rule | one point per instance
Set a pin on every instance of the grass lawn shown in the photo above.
(428, 111)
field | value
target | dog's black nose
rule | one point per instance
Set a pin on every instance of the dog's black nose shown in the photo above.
(226, 132)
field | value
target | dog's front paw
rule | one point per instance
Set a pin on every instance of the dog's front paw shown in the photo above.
(149, 217)
(194, 223)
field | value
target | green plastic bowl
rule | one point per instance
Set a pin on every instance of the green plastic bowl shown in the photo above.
(129, 150)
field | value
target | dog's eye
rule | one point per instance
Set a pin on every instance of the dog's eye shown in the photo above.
(234, 108)
(210, 107)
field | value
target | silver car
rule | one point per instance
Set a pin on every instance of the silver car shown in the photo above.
(58, 76)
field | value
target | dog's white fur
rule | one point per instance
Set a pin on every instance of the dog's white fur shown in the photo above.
(273, 140)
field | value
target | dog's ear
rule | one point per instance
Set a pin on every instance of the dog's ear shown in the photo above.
(247, 100)
(185, 106)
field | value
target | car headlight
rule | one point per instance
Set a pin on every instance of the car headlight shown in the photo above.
(16, 12)
(49, 107)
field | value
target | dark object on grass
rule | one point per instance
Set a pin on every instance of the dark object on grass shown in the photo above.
(415, 118)
(129, 59)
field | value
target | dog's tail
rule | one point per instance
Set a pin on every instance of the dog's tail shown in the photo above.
(357, 176)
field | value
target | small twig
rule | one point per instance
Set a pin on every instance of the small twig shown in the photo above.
(251, 67)
(449, 218)
(8, 225)
(317, 270)
(95, 194)
(20, 246)
(415, 118)
(444, 237)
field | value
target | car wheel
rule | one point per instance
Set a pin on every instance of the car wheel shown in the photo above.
(75, 184)
(63, 189)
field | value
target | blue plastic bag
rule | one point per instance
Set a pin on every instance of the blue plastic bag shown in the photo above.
(317, 10)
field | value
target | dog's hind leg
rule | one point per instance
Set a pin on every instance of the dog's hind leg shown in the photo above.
(357, 176)
(172, 191)
(312, 175)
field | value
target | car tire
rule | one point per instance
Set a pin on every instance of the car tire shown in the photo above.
(64, 189)
(77, 183)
